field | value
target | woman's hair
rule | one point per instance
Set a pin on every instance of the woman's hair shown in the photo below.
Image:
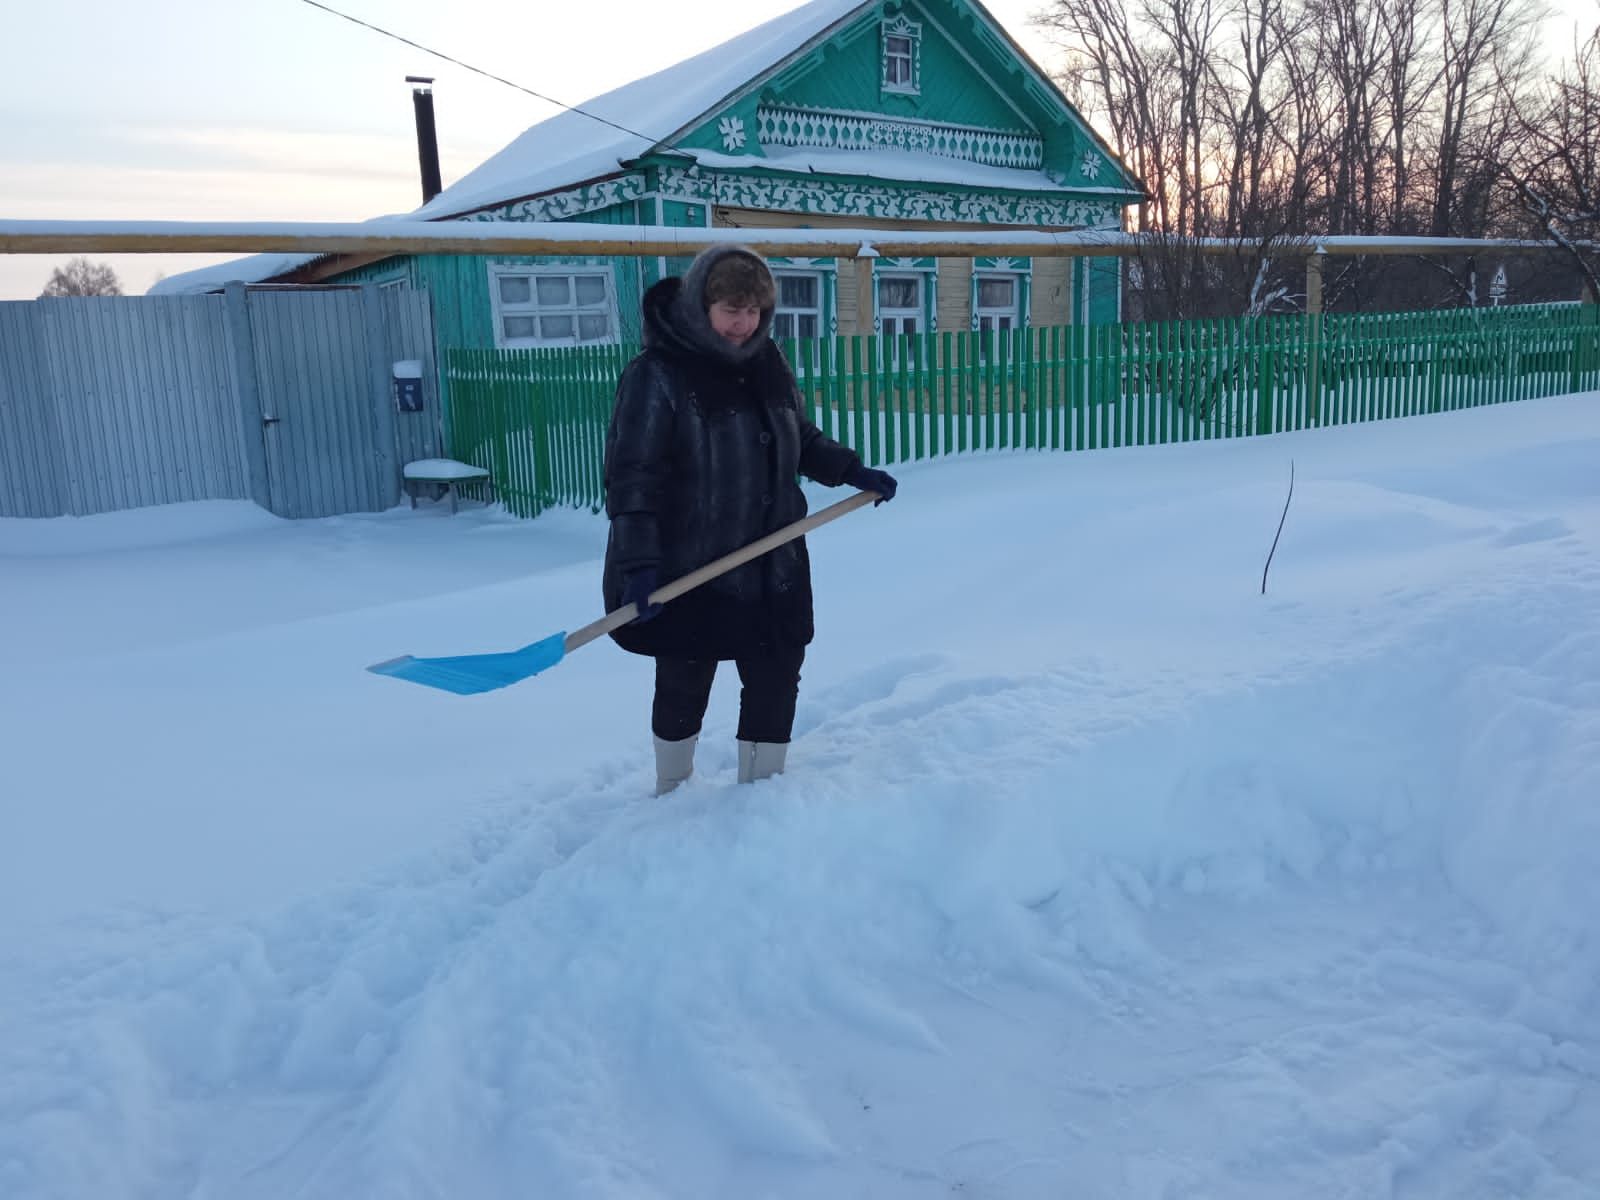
(741, 279)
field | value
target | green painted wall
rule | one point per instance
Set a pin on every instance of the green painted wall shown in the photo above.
(969, 76)
(1096, 290)
(459, 284)
(848, 74)
(1105, 289)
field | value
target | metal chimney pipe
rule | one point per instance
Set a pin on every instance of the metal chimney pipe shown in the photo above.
(427, 136)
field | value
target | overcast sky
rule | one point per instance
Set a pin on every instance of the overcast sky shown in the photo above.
(276, 110)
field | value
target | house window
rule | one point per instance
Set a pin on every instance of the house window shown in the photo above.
(900, 304)
(552, 306)
(996, 309)
(996, 306)
(902, 41)
(900, 312)
(799, 313)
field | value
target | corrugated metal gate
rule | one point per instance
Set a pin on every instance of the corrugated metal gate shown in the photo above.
(280, 396)
(32, 471)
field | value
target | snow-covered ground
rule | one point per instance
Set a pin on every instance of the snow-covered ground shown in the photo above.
(1095, 874)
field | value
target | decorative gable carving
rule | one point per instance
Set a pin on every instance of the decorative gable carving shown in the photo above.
(823, 130)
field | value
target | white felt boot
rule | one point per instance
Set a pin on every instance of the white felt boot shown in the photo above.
(674, 762)
(758, 760)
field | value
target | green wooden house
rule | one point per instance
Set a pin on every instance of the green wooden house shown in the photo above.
(859, 114)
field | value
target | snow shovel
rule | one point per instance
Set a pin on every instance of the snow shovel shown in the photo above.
(469, 674)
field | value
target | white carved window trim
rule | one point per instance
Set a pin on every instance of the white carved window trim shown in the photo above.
(816, 311)
(996, 316)
(583, 315)
(988, 319)
(893, 321)
(901, 70)
(906, 318)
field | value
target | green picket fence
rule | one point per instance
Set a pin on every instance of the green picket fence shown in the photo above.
(537, 418)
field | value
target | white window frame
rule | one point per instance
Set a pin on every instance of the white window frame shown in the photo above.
(900, 28)
(501, 310)
(989, 317)
(917, 314)
(781, 273)
(907, 319)
(816, 277)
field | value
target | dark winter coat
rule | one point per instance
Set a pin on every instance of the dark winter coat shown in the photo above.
(701, 458)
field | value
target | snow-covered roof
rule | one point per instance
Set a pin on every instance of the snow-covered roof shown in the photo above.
(647, 114)
(250, 269)
(570, 148)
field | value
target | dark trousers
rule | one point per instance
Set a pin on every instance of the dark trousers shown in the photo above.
(766, 701)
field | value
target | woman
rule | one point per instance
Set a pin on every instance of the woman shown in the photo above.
(706, 438)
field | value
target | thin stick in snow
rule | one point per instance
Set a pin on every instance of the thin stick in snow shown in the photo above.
(1279, 534)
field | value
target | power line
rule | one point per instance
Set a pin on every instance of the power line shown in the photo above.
(479, 71)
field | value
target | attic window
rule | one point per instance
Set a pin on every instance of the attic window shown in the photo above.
(902, 56)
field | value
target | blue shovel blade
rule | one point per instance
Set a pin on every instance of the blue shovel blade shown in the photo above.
(469, 674)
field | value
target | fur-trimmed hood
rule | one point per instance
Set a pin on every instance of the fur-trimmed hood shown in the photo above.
(676, 320)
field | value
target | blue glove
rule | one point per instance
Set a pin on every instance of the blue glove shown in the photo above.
(636, 585)
(869, 480)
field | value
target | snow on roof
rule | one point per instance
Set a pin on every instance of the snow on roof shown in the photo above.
(251, 269)
(570, 148)
(244, 270)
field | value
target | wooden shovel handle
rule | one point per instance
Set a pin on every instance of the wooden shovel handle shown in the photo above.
(671, 591)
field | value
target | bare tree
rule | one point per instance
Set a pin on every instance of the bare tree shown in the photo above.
(80, 277)
(1350, 51)
(1551, 158)
(1403, 80)
(1486, 57)
(1112, 74)
(1261, 120)
(1254, 101)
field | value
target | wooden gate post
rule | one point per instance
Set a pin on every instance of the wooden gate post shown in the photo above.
(866, 301)
(1314, 263)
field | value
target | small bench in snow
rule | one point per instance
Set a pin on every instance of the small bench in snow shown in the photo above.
(442, 476)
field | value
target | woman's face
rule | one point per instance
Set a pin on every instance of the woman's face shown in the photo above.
(735, 322)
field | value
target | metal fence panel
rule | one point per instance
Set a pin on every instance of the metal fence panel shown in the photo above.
(144, 400)
(120, 402)
(315, 388)
(32, 475)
